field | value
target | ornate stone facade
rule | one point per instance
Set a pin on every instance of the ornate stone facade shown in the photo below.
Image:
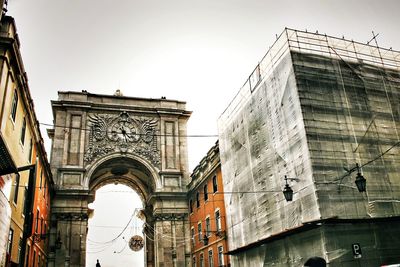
(99, 139)
(110, 133)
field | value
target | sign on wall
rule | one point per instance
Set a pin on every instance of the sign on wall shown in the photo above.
(356, 250)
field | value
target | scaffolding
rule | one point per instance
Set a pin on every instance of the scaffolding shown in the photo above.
(317, 44)
(314, 106)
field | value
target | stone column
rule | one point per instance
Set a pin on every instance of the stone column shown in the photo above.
(71, 235)
(149, 245)
(171, 234)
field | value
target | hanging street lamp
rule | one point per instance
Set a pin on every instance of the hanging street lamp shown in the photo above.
(360, 182)
(287, 191)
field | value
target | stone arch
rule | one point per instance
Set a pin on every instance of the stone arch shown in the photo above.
(125, 159)
(134, 172)
(135, 141)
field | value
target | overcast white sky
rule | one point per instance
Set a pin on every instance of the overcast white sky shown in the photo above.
(114, 210)
(200, 52)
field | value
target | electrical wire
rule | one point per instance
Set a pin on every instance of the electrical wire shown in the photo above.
(381, 155)
(278, 191)
(215, 193)
(99, 251)
(112, 240)
(181, 240)
(232, 192)
(348, 172)
(119, 252)
(140, 134)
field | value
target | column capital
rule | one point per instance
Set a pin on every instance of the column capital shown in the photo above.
(71, 216)
(170, 216)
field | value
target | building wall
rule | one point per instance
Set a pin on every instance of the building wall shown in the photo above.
(5, 218)
(334, 242)
(6, 180)
(203, 176)
(11, 132)
(24, 151)
(264, 141)
(40, 224)
(313, 108)
(352, 115)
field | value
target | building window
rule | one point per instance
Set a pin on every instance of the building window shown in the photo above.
(41, 179)
(210, 259)
(197, 199)
(217, 220)
(201, 260)
(41, 226)
(192, 232)
(16, 190)
(23, 130)
(215, 185)
(194, 261)
(30, 151)
(208, 230)
(220, 256)
(14, 106)
(10, 240)
(19, 249)
(45, 189)
(37, 222)
(199, 230)
(205, 193)
(191, 206)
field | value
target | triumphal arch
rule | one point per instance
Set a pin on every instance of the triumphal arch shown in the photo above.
(99, 139)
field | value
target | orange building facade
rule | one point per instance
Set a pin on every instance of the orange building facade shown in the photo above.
(37, 249)
(207, 213)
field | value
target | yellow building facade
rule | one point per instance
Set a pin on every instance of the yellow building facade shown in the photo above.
(25, 160)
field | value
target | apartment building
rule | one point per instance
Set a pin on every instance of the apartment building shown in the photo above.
(24, 160)
(314, 135)
(207, 213)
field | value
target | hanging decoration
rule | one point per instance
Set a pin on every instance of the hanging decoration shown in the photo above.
(136, 243)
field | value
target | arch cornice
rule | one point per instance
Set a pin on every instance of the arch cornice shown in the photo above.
(99, 162)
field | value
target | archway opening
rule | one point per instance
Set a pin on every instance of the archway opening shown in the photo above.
(141, 179)
(115, 218)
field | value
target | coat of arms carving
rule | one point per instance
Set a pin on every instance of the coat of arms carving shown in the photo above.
(122, 133)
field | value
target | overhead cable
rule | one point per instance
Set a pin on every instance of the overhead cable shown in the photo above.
(164, 135)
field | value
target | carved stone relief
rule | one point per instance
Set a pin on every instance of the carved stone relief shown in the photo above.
(170, 217)
(71, 216)
(122, 133)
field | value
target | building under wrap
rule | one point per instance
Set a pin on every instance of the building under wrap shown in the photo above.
(313, 108)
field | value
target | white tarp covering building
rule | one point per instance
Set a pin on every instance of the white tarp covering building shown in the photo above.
(313, 108)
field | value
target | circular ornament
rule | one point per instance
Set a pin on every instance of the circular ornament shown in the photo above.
(124, 131)
(136, 243)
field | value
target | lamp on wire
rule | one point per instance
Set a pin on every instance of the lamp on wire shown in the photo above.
(360, 181)
(287, 191)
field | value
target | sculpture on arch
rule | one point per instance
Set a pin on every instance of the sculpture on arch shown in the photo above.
(122, 133)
